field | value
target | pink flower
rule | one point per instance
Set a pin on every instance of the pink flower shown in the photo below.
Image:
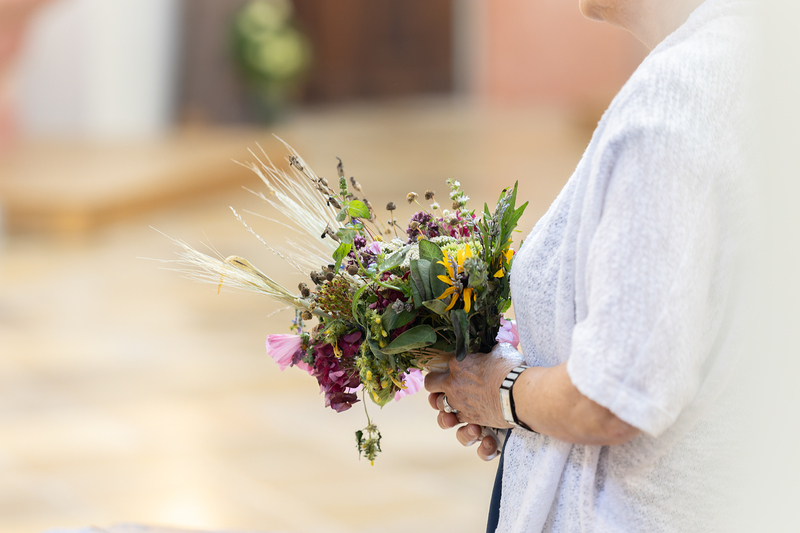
(508, 333)
(287, 350)
(413, 382)
(374, 248)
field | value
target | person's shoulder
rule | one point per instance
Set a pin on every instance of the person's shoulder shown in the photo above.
(691, 87)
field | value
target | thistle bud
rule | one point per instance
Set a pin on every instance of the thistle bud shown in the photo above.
(391, 206)
(429, 195)
(352, 270)
(411, 197)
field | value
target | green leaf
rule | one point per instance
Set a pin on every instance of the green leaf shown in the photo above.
(437, 306)
(357, 209)
(418, 289)
(461, 329)
(443, 345)
(394, 260)
(341, 215)
(346, 235)
(340, 253)
(376, 350)
(437, 286)
(392, 320)
(416, 337)
(424, 268)
(356, 300)
(429, 251)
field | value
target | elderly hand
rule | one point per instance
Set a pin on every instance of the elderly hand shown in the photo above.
(472, 387)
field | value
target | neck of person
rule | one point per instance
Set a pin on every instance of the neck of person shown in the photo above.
(651, 21)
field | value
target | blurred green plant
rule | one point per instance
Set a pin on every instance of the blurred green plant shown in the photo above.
(272, 53)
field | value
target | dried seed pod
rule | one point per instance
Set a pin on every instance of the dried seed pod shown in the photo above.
(334, 202)
(356, 185)
(456, 205)
(305, 292)
(329, 276)
(352, 270)
(340, 168)
(411, 197)
(331, 268)
(414, 225)
(429, 195)
(306, 315)
(391, 206)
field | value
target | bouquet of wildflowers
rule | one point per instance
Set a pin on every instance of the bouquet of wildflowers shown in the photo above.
(380, 305)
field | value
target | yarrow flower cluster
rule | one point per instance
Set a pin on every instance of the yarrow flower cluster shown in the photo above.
(386, 308)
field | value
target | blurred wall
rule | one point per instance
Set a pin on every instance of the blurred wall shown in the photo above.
(100, 69)
(546, 52)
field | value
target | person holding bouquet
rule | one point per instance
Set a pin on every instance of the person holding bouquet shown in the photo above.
(625, 299)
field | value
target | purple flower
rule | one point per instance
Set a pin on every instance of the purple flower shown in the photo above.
(508, 332)
(337, 377)
(374, 248)
(287, 350)
(413, 381)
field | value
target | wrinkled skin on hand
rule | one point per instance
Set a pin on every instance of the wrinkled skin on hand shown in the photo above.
(472, 387)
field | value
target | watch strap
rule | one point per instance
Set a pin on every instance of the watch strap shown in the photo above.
(507, 398)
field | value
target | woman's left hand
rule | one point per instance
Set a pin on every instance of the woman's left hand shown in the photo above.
(472, 387)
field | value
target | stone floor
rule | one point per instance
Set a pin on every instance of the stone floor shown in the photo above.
(128, 394)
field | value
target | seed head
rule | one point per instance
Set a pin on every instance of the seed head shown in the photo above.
(352, 270)
(391, 206)
(429, 195)
(306, 315)
(411, 197)
(304, 290)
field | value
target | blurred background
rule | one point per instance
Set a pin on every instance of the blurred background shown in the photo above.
(128, 394)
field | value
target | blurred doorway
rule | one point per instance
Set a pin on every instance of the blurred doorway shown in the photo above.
(362, 49)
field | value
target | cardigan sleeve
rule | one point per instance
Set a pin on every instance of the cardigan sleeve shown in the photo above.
(654, 273)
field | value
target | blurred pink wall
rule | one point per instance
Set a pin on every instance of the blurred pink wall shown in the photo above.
(545, 51)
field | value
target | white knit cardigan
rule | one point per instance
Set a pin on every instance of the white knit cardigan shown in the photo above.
(628, 279)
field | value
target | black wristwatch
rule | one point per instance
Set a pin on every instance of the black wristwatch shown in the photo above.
(507, 398)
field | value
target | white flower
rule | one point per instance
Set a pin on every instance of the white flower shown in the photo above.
(435, 206)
